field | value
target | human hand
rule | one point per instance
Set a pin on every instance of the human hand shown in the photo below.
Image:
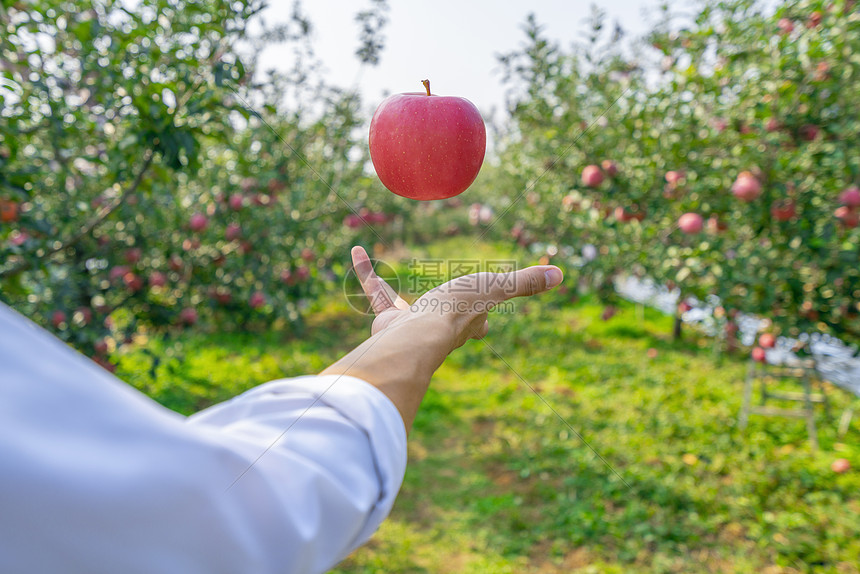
(409, 342)
(463, 303)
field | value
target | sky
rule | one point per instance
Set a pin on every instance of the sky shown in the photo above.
(453, 43)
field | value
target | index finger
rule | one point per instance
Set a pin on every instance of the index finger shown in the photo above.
(498, 287)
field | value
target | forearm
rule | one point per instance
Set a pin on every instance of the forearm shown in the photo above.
(399, 361)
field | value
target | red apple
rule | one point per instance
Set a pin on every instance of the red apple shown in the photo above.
(786, 26)
(592, 176)
(425, 146)
(378, 217)
(198, 222)
(257, 300)
(848, 216)
(176, 263)
(850, 197)
(8, 210)
(683, 307)
(609, 167)
(746, 187)
(18, 238)
(773, 125)
(840, 465)
(814, 20)
(132, 255)
(249, 184)
(233, 232)
(809, 132)
(715, 225)
(758, 354)
(673, 177)
(157, 279)
(235, 201)
(118, 272)
(191, 244)
(83, 315)
(767, 341)
(222, 295)
(690, 223)
(133, 282)
(276, 186)
(783, 210)
(352, 221)
(622, 215)
(188, 316)
(58, 318)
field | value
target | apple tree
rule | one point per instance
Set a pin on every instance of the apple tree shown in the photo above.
(719, 155)
(152, 176)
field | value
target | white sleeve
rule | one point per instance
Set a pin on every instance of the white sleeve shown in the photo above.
(95, 477)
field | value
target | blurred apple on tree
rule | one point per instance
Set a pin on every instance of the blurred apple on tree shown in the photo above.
(592, 176)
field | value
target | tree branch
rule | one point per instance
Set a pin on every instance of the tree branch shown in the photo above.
(87, 228)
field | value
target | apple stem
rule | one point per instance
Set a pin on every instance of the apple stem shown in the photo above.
(426, 85)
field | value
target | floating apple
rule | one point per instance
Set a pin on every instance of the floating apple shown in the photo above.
(840, 465)
(425, 146)
(758, 354)
(767, 341)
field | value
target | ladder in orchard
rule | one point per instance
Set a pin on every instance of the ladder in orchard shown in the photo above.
(768, 376)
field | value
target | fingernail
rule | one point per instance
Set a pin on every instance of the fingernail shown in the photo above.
(553, 277)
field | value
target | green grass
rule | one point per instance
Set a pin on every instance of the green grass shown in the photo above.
(557, 445)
